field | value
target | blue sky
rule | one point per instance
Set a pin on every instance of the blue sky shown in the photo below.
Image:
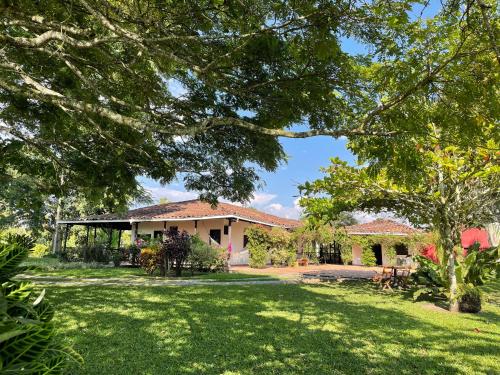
(305, 158)
(279, 192)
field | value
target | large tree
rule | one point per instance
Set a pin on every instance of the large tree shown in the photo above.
(103, 91)
(442, 188)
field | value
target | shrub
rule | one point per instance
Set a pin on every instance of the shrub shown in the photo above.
(368, 257)
(204, 257)
(39, 250)
(71, 254)
(117, 256)
(282, 247)
(133, 252)
(95, 253)
(469, 299)
(277, 246)
(28, 344)
(346, 254)
(175, 248)
(258, 246)
(148, 259)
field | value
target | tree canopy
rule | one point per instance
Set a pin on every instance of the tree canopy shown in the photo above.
(433, 184)
(104, 91)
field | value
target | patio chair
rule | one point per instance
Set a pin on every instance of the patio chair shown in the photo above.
(384, 279)
(402, 277)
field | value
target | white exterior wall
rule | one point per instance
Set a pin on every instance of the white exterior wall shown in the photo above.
(356, 254)
(238, 254)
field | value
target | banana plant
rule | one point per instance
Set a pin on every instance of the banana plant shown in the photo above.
(28, 343)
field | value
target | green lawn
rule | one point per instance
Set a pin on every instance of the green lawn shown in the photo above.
(54, 268)
(348, 328)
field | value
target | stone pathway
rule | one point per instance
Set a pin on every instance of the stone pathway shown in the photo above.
(70, 281)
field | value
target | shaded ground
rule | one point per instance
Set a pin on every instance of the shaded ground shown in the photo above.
(340, 328)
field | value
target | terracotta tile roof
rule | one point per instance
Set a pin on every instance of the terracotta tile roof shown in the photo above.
(381, 226)
(196, 209)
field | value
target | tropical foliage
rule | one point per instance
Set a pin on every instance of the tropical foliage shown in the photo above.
(28, 342)
(39, 250)
(475, 268)
(427, 181)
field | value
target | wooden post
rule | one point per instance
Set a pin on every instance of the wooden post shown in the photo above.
(196, 227)
(95, 235)
(65, 237)
(119, 238)
(229, 244)
(110, 237)
(87, 239)
(133, 236)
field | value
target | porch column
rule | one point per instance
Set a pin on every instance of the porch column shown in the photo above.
(133, 236)
(95, 235)
(196, 227)
(110, 236)
(229, 244)
(87, 238)
(65, 237)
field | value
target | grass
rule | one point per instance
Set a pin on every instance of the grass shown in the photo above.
(347, 328)
(52, 267)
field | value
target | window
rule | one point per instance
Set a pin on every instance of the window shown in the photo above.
(145, 237)
(226, 230)
(215, 236)
(245, 240)
(401, 249)
(158, 234)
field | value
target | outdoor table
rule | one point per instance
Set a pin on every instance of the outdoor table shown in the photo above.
(395, 277)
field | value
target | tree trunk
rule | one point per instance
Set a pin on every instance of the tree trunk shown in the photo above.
(178, 269)
(56, 237)
(448, 246)
(453, 283)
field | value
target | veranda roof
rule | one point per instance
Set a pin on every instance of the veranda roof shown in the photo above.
(187, 210)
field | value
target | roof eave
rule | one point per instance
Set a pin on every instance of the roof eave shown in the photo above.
(139, 220)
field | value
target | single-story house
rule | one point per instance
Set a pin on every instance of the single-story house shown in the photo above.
(222, 225)
(380, 227)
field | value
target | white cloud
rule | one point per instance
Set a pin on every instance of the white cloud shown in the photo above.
(289, 212)
(366, 217)
(171, 194)
(275, 206)
(260, 199)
